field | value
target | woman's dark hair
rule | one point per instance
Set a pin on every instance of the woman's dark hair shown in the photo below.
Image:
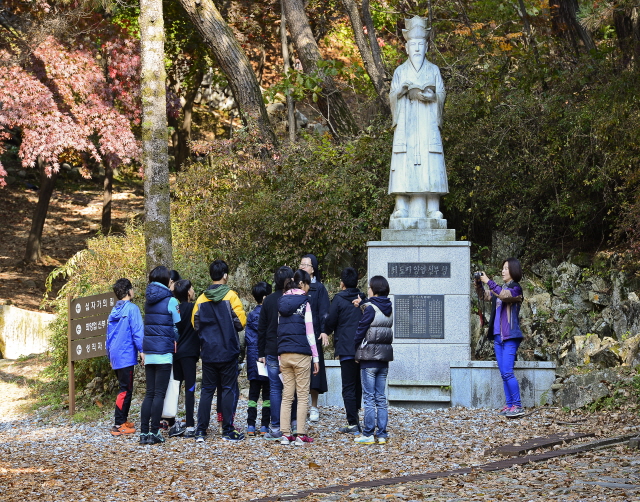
(217, 269)
(349, 277)
(314, 263)
(121, 288)
(174, 275)
(160, 274)
(515, 269)
(281, 275)
(181, 290)
(260, 290)
(379, 285)
(294, 282)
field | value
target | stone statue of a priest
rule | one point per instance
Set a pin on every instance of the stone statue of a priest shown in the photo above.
(418, 175)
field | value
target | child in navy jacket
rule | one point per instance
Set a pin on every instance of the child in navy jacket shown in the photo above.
(257, 383)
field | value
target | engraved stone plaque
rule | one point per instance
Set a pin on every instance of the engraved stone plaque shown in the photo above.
(418, 316)
(419, 270)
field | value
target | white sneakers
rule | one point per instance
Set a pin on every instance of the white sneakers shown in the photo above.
(365, 440)
(314, 414)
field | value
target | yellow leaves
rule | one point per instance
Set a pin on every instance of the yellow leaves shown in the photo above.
(313, 465)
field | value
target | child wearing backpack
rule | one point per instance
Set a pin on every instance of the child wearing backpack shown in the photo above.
(373, 340)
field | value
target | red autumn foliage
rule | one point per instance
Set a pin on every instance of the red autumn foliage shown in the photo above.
(59, 100)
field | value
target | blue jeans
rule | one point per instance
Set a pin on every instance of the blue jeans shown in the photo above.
(376, 411)
(506, 357)
(275, 392)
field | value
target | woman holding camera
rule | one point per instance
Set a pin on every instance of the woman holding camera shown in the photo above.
(504, 329)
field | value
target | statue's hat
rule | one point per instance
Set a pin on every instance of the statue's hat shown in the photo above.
(416, 28)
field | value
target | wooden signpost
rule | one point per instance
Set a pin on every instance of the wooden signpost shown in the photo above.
(87, 320)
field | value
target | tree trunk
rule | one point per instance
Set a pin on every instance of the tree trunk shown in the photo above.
(34, 241)
(291, 110)
(107, 197)
(155, 155)
(331, 103)
(183, 150)
(234, 64)
(564, 22)
(376, 72)
(627, 26)
(373, 39)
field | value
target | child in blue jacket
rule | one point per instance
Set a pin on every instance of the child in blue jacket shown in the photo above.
(125, 330)
(257, 382)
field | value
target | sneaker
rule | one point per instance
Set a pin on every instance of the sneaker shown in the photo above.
(263, 430)
(273, 436)
(156, 438)
(382, 440)
(199, 437)
(118, 430)
(164, 425)
(350, 429)
(129, 425)
(504, 410)
(144, 438)
(286, 439)
(251, 430)
(176, 430)
(302, 439)
(189, 432)
(233, 436)
(365, 440)
(515, 411)
(314, 414)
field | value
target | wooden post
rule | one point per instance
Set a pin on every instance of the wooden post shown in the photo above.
(72, 374)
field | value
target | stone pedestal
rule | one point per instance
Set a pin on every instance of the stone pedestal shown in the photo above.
(478, 384)
(428, 272)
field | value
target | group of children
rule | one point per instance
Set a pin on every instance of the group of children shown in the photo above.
(176, 333)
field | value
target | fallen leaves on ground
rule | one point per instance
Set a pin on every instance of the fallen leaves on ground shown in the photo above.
(56, 459)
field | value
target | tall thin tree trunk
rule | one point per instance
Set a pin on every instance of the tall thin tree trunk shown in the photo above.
(365, 46)
(183, 152)
(155, 155)
(291, 111)
(234, 64)
(373, 39)
(107, 197)
(529, 40)
(34, 241)
(331, 103)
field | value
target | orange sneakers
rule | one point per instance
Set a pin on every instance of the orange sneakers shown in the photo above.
(125, 428)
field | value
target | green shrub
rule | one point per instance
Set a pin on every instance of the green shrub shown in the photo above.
(317, 197)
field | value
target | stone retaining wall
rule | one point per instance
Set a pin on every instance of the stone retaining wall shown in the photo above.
(23, 332)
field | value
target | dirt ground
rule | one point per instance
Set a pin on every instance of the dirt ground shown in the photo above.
(74, 216)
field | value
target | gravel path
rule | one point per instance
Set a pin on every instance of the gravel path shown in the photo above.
(56, 459)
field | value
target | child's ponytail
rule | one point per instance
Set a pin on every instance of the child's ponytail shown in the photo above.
(300, 276)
